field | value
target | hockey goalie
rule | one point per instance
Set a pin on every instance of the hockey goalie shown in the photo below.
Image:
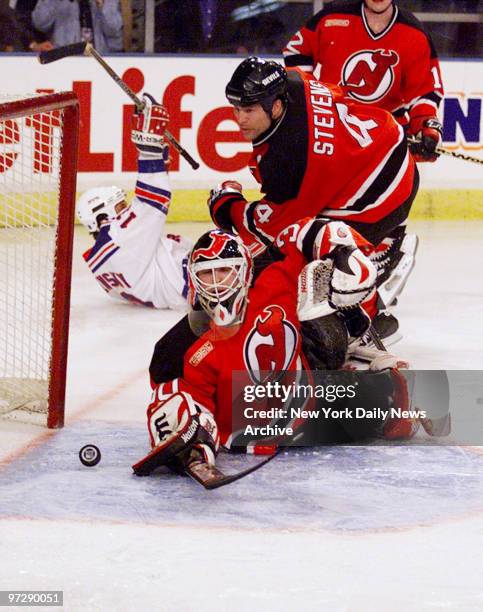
(269, 325)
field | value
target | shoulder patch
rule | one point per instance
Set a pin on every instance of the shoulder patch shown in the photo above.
(201, 353)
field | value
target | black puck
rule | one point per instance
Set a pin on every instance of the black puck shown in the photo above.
(89, 455)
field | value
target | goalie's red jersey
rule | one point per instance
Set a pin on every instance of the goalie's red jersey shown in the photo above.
(268, 340)
(396, 69)
(219, 364)
(328, 155)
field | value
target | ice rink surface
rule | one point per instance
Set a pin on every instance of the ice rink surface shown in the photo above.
(350, 529)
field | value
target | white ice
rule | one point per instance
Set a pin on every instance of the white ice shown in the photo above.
(354, 529)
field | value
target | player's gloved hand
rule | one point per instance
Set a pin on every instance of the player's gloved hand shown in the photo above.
(223, 189)
(428, 130)
(353, 277)
(220, 200)
(182, 432)
(148, 128)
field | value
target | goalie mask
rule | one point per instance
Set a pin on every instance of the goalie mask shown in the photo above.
(98, 204)
(220, 271)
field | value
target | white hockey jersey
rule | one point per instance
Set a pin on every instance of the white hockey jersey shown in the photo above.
(131, 258)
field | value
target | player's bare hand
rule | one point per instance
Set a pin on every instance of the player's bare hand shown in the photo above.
(46, 45)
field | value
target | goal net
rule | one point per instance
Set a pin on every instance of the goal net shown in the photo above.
(38, 155)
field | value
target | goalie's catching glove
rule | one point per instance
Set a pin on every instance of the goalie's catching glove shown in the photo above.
(148, 129)
(182, 432)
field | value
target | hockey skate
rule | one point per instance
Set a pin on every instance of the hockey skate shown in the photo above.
(395, 266)
(386, 327)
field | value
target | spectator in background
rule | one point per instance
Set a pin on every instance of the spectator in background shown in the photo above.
(10, 35)
(17, 35)
(189, 26)
(213, 26)
(96, 21)
(33, 40)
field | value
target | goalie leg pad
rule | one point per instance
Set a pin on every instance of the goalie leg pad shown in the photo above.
(325, 342)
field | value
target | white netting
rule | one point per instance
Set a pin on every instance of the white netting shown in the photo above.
(29, 198)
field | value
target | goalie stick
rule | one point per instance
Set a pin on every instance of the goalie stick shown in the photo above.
(209, 476)
(443, 151)
(85, 48)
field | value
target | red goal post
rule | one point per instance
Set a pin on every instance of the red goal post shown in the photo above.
(38, 165)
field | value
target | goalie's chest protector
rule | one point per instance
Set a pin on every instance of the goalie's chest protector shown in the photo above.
(268, 340)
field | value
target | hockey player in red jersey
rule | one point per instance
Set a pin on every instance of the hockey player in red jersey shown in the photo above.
(252, 324)
(314, 152)
(380, 55)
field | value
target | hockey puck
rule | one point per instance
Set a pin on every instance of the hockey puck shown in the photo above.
(89, 455)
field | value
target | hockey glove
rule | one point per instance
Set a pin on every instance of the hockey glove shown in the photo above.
(429, 131)
(353, 277)
(221, 198)
(148, 128)
(182, 432)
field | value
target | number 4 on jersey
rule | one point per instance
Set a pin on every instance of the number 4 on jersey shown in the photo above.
(361, 133)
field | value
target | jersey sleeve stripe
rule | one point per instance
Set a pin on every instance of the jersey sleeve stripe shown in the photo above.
(153, 197)
(99, 252)
(103, 261)
(151, 166)
(152, 189)
(154, 204)
(102, 240)
(380, 183)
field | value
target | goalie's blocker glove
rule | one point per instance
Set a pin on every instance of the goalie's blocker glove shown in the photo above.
(429, 131)
(148, 129)
(182, 432)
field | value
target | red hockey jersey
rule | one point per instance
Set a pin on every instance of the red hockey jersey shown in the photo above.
(328, 155)
(216, 369)
(268, 339)
(397, 69)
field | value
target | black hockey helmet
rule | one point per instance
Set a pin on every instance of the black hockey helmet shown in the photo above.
(257, 81)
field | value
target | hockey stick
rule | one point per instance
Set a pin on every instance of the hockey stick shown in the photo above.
(85, 48)
(210, 477)
(443, 151)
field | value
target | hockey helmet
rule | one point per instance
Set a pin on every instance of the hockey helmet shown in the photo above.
(98, 203)
(257, 81)
(220, 271)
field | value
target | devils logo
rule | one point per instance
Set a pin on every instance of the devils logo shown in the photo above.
(270, 345)
(368, 75)
(218, 242)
